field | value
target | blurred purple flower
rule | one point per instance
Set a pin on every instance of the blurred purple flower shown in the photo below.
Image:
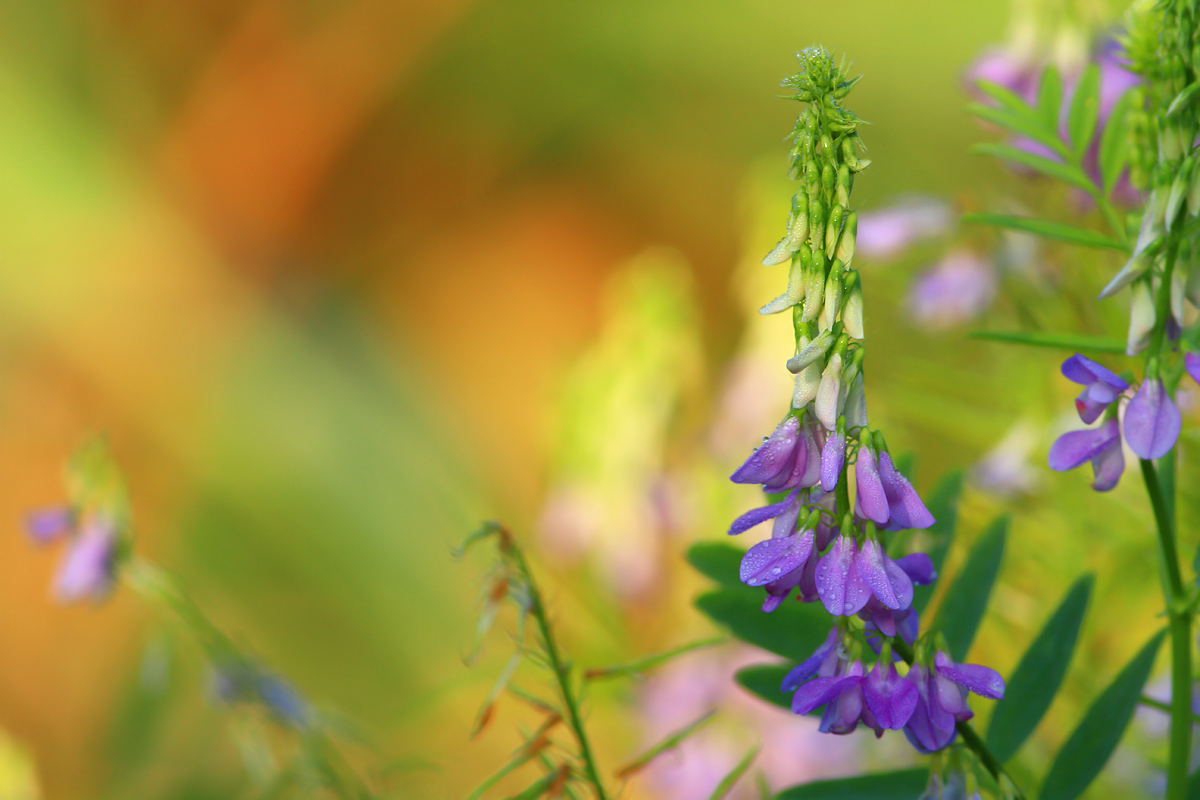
(956, 289)
(870, 500)
(1000, 66)
(1152, 422)
(887, 232)
(48, 525)
(1101, 446)
(88, 570)
(1191, 363)
(1005, 469)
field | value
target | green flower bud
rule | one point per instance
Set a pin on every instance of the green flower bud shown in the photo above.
(1192, 288)
(852, 307)
(795, 289)
(810, 352)
(833, 296)
(828, 392)
(856, 404)
(843, 185)
(833, 228)
(812, 181)
(816, 224)
(1141, 318)
(850, 157)
(1193, 197)
(828, 180)
(807, 383)
(814, 287)
(1179, 189)
(1178, 289)
(845, 246)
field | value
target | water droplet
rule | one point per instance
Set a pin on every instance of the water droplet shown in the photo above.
(775, 571)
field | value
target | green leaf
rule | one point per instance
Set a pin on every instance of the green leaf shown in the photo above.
(1085, 110)
(735, 774)
(719, 561)
(666, 743)
(1193, 784)
(763, 681)
(1067, 173)
(1028, 126)
(1036, 680)
(1008, 99)
(794, 630)
(1050, 230)
(1114, 143)
(1089, 747)
(966, 600)
(943, 504)
(905, 784)
(1057, 341)
(1050, 98)
(637, 667)
(1183, 99)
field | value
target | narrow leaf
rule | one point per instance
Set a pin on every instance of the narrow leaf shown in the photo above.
(546, 785)
(1036, 680)
(1114, 143)
(965, 602)
(1183, 98)
(943, 504)
(1050, 98)
(639, 666)
(905, 784)
(763, 681)
(794, 630)
(1022, 125)
(1050, 230)
(1085, 753)
(720, 562)
(1008, 99)
(1085, 109)
(669, 741)
(1057, 341)
(1067, 173)
(735, 774)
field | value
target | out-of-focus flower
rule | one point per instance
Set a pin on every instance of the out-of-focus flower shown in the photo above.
(887, 232)
(1001, 66)
(237, 681)
(88, 571)
(1191, 363)
(48, 525)
(1005, 469)
(956, 289)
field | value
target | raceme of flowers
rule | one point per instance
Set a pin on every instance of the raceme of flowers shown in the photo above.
(822, 546)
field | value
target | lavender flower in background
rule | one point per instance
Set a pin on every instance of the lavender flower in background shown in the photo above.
(1191, 363)
(955, 290)
(887, 232)
(1005, 469)
(88, 570)
(48, 525)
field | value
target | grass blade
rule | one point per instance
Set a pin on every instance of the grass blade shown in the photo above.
(735, 774)
(1057, 341)
(639, 666)
(668, 742)
(1067, 173)
(1049, 230)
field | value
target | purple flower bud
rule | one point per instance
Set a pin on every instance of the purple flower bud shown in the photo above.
(870, 501)
(778, 590)
(806, 453)
(819, 691)
(890, 698)
(942, 699)
(919, 568)
(839, 585)
(983, 681)
(756, 516)
(771, 560)
(843, 712)
(88, 570)
(904, 504)
(1152, 421)
(886, 580)
(832, 458)
(1191, 363)
(1101, 386)
(49, 524)
(283, 701)
(775, 456)
(823, 662)
(1101, 446)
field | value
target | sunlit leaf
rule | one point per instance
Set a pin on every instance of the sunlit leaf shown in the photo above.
(1085, 109)
(794, 630)
(1049, 98)
(1035, 682)
(905, 784)
(1048, 229)
(763, 681)
(1057, 341)
(1089, 747)
(966, 601)
(1009, 100)
(1067, 173)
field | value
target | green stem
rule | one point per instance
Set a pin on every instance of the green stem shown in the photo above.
(1181, 639)
(561, 671)
(1150, 702)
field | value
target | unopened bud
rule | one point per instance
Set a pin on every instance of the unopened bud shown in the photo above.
(828, 392)
(1179, 190)
(816, 224)
(1193, 197)
(810, 352)
(833, 296)
(852, 306)
(1141, 318)
(814, 287)
(843, 185)
(833, 228)
(1178, 289)
(828, 180)
(1192, 289)
(856, 404)
(845, 246)
(807, 382)
(850, 157)
(795, 289)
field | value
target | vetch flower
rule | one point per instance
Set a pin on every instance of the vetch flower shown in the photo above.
(833, 456)
(1102, 387)
(890, 698)
(48, 525)
(1152, 421)
(1191, 362)
(785, 513)
(887, 232)
(905, 507)
(942, 699)
(840, 586)
(842, 697)
(775, 457)
(1101, 446)
(870, 499)
(823, 662)
(956, 289)
(770, 560)
(88, 571)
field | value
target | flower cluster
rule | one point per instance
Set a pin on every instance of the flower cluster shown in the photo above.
(823, 546)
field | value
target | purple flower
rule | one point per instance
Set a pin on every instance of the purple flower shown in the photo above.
(889, 621)
(888, 231)
(236, 680)
(1152, 421)
(942, 699)
(823, 662)
(1101, 386)
(88, 570)
(833, 456)
(842, 697)
(905, 506)
(776, 456)
(997, 65)
(848, 577)
(956, 289)
(785, 513)
(1101, 446)
(1191, 363)
(770, 560)
(890, 698)
(48, 525)
(870, 500)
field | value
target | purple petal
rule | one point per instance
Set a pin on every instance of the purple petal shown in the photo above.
(1091, 403)
(908, 624)
(919, 568)
(929, 728)
(774, 457)
(1191, 362)
(981, 680)
(886, 581)
(87, 570)
(841, 716)
(1108, 465)
(49, 524)
(839, 585)
(820, 691)
(808, 668)
(814, 439)
(808, 581)
(1152, 421)
(906, 508)
(757, 516)
(890, 698)
(1082, 370)
(870, 501)
(770, 560)
(1077, 447)
(880, 616)
(789, 479)
(785, 523)
(833, 455)
(778, 590)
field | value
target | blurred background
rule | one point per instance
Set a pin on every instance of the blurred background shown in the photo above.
(341, 279)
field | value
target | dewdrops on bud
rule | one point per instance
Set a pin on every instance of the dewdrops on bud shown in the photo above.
(833, 296)
(810, 352)
(814, 287)
(829, 391)
(833, 228)
(852, 309)
(845, 247)
(1141, 318)
(807, 382)
(794, 293)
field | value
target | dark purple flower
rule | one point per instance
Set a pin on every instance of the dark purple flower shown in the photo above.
(1191, 362)
(1152, 421)
(1101, 386)
(870, 500)
(887, 581)
(775, 457)
(841, 695)
(88, 570)
(942, 699)
(50, 524)
(890, 698)
(770, 560)
(904, 504)
(1101, 446)
(888, 621)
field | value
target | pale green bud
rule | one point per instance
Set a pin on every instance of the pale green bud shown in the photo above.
(807, 382)
(843, 185)
(828, 180)
(852, 308)
(1192, 288)
(810, 352)
(1141, 318)
(845, 247)
(816, 224)
(1193, 197)
(1148, 242)
(1179, 189)
(829, 391)
(795, 288)
(833, 228)
(856, 404)
(1178, 289)
(814, 287)
(850, 157)
(833, 296)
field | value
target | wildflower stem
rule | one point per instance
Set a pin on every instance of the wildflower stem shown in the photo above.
(1181, 639)
(562, 673)
(1150, 702)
